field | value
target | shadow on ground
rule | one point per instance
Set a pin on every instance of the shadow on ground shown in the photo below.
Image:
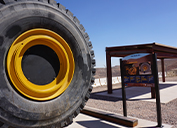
(99, 124)
(106, 98)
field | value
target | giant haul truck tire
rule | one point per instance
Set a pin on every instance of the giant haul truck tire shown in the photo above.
(46, 64)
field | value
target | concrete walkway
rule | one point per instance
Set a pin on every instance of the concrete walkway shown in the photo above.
(85, 121)
(167, 93)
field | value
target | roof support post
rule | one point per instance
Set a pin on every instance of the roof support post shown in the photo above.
(109, 72)
(163, 71)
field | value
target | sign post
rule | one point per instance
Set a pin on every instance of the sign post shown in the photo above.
(140, 70)
(158, 105)
(123, 91)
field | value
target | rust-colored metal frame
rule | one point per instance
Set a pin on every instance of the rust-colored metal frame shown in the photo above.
(162, 51)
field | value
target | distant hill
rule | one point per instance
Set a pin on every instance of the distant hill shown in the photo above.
(101, 72)
(169, 64)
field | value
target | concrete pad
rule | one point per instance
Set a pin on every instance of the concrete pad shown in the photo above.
(167, 93)
(149, 124)
(85, 121)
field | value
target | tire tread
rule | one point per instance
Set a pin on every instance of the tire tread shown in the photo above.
(74, 19)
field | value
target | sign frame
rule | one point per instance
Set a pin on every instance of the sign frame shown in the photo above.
(156, 82)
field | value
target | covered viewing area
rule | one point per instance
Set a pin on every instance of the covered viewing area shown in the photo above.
(162, 52)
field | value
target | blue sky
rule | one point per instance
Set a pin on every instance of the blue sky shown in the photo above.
(125, 22)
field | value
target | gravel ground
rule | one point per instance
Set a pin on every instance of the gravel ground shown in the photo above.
(139, 109)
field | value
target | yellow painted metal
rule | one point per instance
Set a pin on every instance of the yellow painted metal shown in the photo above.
(14, 59)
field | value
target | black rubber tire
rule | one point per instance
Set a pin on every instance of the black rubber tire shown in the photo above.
(19, 16)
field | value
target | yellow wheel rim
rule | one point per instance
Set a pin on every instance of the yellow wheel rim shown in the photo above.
(14, 61)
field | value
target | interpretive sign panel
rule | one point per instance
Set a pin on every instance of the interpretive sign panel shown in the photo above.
(137, 70)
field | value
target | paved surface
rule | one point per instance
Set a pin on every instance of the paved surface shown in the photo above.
(85, 121)
(167, 93)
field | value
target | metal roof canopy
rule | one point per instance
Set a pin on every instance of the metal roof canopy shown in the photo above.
(162, 52)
